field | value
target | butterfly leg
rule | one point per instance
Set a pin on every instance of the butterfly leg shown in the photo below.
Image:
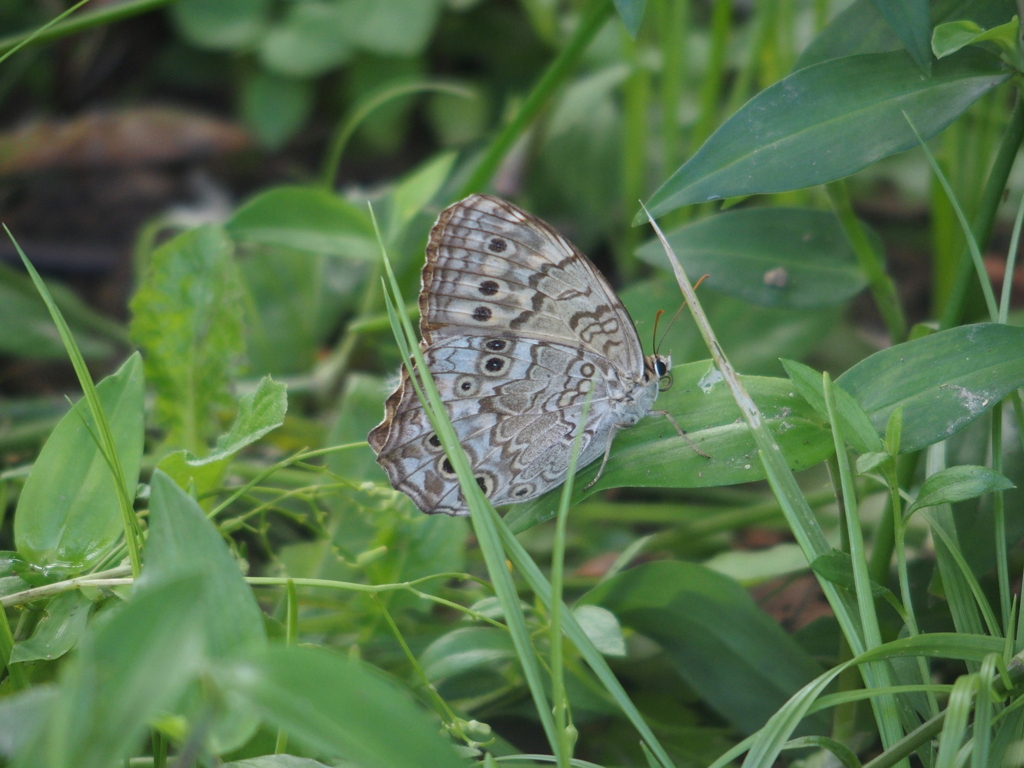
(607, 450)
(682, 434)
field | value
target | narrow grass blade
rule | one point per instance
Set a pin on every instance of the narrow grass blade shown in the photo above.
(482, 515)
(106, 438)
(972, 244)
(799, 515)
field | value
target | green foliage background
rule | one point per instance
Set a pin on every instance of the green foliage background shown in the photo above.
(206, 566)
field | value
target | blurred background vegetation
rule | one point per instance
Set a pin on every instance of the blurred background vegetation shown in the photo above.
(135, 121)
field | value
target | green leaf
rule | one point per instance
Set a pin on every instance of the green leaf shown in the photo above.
(186, 317)
(855, 424)
(632, 13)
(910, 21)
(183, 541)
(398, 28)
(13, 569)
(744, 666)
(417, 189)
(359, 411)
(466, 650)
(652, 455)
(57, 632)
(872, 460)
(259, 412)
(67, 515)
(786, 137)
(837, 567)
(223, 25)
(958, 484)
(134, 665)
(951, 37)
(894, 432)
(312, 39)
(274, 108)
(23, 716)
(28, 328)
(340, 707)
(307, 219)
(860, 28)
(774, 257)
(943, 381)
(603, 629)
(755, 336)
(275, 761)
(294, 302)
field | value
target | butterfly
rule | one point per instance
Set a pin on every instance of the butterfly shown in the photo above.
(517, 327)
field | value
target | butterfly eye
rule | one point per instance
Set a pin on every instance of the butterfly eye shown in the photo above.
(660, 368)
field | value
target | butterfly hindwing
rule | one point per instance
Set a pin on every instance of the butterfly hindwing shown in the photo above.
(512, 409)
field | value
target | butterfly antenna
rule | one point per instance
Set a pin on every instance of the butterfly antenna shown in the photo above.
(654, 340)
(668, 327)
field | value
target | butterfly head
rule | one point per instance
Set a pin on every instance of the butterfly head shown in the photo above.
(658, 368)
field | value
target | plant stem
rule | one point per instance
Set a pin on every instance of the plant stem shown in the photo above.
(999, 521)
(953, 311)
(883, 290)
(100, 17)
(636, 93)
(673, 29)
(594, 18)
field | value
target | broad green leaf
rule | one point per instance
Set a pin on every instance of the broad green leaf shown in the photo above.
(274, 108)
(1005, 39)
(651, 454)
(855, 424)
(221, 24)
(466, 650)
(828, 121)
(943, 381)
(749, 568)
(186, 317)
(312, 39)
(632, 13)
(399, 28)
(837, 567)
(57, 632)
(182, 541)
(775, 257)
(275, 761)
(13, 568)
(67, 513)
(958, 484)
(23, 716)
(135, 664)
(755, 337)
(602, 627)
(732, 654)
(294, 302)
(860, 28)
(259, 412)
(910, 21)
(341, 708)
(28, 329)
(307, 219)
